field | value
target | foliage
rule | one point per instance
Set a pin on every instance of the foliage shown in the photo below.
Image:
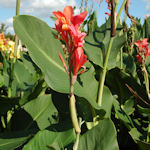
(35, 88)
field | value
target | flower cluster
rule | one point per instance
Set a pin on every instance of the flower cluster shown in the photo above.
(8, 46)
(143, 50)
(68, 27)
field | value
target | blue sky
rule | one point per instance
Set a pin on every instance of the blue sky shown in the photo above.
(43, 9)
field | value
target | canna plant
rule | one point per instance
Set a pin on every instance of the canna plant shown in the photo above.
(75, 88)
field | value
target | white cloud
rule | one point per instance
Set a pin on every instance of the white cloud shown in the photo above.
(45, 8)
(6, 4)
(40, 8)
(9, 23)
(147, 4)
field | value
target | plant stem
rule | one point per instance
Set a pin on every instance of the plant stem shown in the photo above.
(75, 146)
(72, 106)
(17, 7)
(120, 10)
(73, 111)
(121, 59)
(103, 74)
(146, 80)
(15, 53)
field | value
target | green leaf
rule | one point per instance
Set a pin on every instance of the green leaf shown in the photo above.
(1, 80)
(120, 114)
(118, 86)
(129, 64)
(23, 79)
(12, 140)
(45, 140)
(107, 101)
(10, 144)
(101, 137)
(39, 112)
(43, 49)
(128, 107)
(96, 45)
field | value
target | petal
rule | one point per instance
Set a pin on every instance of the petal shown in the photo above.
(106, 13)
(145, 42)
(58, 25)
(68, 12)
(58, 14)
(148, 52)
(78, 19)
(62, 60)
(138, 43)
(79, 58)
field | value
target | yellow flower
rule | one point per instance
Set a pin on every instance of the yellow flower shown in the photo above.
(8, 46)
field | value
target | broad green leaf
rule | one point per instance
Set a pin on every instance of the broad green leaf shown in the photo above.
(107, 101)
(96, 45)
(45, 140)
(38, 113)
(10, 144)
(23, 79)
(101, 137)
(12, 140)
(43, 49)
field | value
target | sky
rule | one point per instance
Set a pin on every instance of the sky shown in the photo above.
(43, 9)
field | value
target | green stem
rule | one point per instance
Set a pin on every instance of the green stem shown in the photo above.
(146, 81)
(75, 146)
(72, 106)
(73, 113)
(120, 10)
(17, 7)
(121, 59)
(103, 74)
(15, 53)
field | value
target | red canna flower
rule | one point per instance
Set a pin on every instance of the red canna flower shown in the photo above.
(143, 50)
(67, 18)
(68, 27)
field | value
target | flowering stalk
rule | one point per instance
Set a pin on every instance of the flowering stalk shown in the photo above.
(68, 26)
(103, 74)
